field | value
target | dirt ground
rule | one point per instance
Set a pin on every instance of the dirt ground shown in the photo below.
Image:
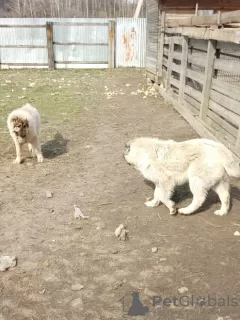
(86, 118)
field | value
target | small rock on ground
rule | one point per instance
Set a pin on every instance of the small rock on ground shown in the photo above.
(183, 289)
(77, 287)
(49, 194)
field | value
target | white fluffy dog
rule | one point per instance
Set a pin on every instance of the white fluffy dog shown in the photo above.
(204, 163)
(24, 125)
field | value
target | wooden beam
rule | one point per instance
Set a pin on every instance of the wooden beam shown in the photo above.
(80, 44)
(223, 123)
(161, 46)
(204, 20)
(111, 39)
(138, 9)
(81, 62)
(230, 116)
(225, 101)
(224, 35)
(22, 26)
(49, 31)
(196, 76)
(21, 46)
(24, 64)
(82, 24)
(208, 78)
(230, 66)
(238, 141)
(197, 95)
(227, 89)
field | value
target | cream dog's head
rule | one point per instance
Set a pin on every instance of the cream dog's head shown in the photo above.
(20, 127)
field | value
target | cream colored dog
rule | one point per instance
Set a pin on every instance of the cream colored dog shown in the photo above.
(204, 163)
(24, 126)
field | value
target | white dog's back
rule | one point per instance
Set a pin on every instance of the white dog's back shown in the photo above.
(204, 163)
(178, 156)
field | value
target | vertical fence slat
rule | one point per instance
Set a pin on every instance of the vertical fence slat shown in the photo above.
(170, 59)
(238, 141)
(160, 47)
(183, 67)
(111, 44)
(49, 31)
(209, 68)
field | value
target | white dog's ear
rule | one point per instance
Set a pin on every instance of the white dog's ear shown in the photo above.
(161, 151)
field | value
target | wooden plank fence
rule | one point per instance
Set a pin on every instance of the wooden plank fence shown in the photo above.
(200, 70)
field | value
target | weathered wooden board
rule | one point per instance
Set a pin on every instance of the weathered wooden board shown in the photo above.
(225, 101)
(227, 114)
(224, 35)
(205, 20)
(223, 123)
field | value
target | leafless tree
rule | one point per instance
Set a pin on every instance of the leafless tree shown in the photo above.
(69, 8)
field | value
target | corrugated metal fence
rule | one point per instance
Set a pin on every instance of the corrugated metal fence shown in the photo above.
(76, 43)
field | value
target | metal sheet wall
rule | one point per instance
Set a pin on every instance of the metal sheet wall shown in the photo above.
(130, 42)
(32, 51)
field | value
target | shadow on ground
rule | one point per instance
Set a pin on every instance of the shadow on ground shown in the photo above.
(55, 147)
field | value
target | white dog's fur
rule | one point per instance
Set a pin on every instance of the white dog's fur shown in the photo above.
(204, 163)
(24, 125)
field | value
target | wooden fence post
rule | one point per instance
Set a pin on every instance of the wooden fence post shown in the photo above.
(170, 59)
(160, 47)
(49, 31)
(209, 68)
(184, 64)
(111, 44)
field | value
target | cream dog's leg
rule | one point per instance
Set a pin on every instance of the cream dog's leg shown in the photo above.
(18, 147)
(156, 199)
(37, 149)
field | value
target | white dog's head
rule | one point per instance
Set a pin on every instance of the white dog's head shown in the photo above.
(20, 127)
(141, 152)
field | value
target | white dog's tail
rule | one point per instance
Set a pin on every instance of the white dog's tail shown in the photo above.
(231, 165)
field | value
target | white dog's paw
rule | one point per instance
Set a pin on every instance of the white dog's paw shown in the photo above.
(184, 211)
(220, 213)
(17, 161)
(40, 158)
(151, 203)
(173, 211)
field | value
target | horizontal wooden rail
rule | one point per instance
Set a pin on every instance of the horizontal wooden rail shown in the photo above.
(30, 46)
(81, 62)
(205, 20)
(224, 35)
(80, 44)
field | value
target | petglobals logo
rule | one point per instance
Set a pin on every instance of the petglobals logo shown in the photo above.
(200, 301)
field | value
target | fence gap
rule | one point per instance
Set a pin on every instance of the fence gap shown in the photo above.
(170, 59)
(183, 68)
